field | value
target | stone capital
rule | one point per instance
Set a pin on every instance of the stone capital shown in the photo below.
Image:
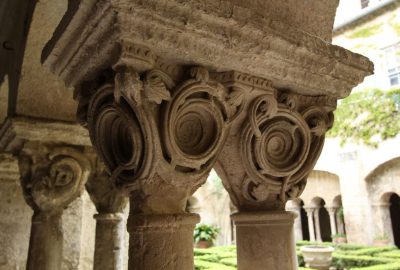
(108, 200)
(51, 176)
(331, 209)
(160, 119)
(309, 210)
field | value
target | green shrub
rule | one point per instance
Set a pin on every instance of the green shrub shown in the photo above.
(350, 261)
(390, 266)
(204, 265)
(371, 251)
(229, 262)
(204, 232)
(394, 254)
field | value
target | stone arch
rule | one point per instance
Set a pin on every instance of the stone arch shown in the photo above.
(384, 179)
(214, 206)
(321, 184)
(383, 187)
(301, 222)
(338, 212)
(322, 225)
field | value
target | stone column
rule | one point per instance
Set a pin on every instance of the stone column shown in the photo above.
(382, 221)
(332, 218)
(265, 240)
(340, 223)
(317, 225)
(110, 203)
(298, 229)
(51, 178)
(163, 241)
(310, 215)
(160, 125)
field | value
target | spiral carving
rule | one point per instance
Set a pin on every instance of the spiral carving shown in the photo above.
(195, 123)
(52, 181)
(275, 143)
(122, 136)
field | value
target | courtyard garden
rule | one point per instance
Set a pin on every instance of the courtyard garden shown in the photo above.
(345, 256)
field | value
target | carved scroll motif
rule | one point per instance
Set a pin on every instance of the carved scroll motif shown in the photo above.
(142, 122)
(52, 182)
(280, 146)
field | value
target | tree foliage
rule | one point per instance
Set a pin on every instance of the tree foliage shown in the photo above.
(368, 117)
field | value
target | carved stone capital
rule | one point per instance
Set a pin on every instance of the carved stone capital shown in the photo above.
(275, 146)
(158, 133)
(52, 177)
(108, 200)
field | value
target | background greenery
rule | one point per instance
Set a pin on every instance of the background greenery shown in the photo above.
(368, 117)
(345, 256)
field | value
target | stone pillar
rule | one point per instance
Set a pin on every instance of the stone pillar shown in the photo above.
(161, 241)
(51, 178)
(383, 222)
(340, 223)
(110, 203)
(298, 229)
(265, 240)
(160, 125)
(332, 218)
(310, 216)
(317, 225)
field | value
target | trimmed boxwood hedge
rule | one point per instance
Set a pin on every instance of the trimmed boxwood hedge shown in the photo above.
(354, 257)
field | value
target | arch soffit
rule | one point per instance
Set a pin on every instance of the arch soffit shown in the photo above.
(378, 189)
(312, 196)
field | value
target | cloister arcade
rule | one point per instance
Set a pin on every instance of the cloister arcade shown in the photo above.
(117, 102)
(383, 188)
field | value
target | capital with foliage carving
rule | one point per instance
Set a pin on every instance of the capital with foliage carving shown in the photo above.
(52, 177)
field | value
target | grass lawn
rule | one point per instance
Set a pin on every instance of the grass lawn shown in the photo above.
(345, 256)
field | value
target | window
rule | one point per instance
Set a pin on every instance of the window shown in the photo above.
(364, 3)
(392, 60)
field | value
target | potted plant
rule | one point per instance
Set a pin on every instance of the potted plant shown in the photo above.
(317, 257)
(339, 238)
(205, 235)
(381, 240)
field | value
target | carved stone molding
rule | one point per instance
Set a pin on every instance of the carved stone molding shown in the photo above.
(275, 146)
(52, 177)
(95, 35)
(17, 130)
(109, 201)
(148, 126)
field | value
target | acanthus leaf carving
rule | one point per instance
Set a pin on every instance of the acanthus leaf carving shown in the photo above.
(157, 85)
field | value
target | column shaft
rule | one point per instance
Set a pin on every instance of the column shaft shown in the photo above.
(317, 225)
(46, 242)
(310, 216)
(265, 240)
(161, 241)
(332, 220)
(340, 224)
(298, 229)
(109, 241)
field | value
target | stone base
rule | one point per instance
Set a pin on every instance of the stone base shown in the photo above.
(265, 240)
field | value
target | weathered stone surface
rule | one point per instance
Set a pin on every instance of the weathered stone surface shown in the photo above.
(40, 93)
(168, 88)
(265, 240)
(110, 234)
(161, 241)
(15, 131)
(262, 46)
